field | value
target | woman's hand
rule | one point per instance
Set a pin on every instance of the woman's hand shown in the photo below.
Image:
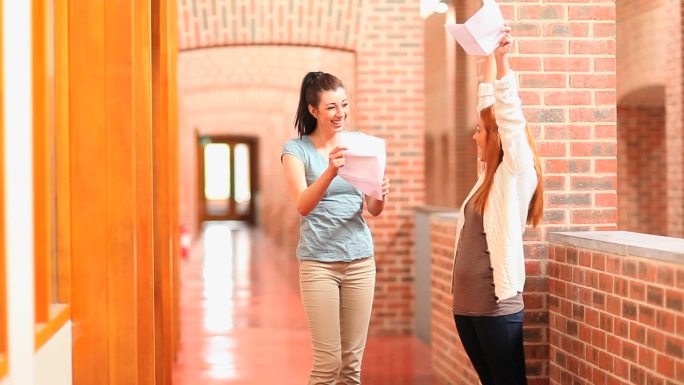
(501, 52)
(505, 43)
(385, 186)
(375, 206)
(336, 159)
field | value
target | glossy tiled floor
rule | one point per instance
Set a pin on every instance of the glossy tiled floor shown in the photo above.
(242, 321)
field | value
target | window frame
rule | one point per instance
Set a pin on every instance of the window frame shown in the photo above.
(51, 168)
(4, 360)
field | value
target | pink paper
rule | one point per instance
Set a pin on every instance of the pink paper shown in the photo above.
(364, 164)
(480, 34)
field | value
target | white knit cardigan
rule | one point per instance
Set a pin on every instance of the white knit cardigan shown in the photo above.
(514, 184)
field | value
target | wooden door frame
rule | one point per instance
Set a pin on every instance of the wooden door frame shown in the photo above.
(253, 143)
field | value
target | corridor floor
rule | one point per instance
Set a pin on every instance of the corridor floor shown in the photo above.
(242, 321)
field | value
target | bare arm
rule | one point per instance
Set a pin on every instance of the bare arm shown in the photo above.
(509, 116)
(375, 206)
(489, 69)
(307, 198)
(501, 54)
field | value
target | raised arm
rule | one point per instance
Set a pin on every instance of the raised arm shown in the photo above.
(489, 69)
(508, 110)
(485, 90)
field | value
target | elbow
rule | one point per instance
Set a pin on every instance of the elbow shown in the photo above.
(303, 211)
(375, 212)
(302, 207)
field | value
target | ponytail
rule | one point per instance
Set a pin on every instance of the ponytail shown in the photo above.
(312, 85)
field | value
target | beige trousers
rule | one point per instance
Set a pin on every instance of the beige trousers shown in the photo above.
(337, 297)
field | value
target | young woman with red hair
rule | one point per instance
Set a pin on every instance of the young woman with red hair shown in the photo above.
(489, 264)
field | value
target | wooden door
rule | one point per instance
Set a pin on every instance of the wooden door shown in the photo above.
(227, 177)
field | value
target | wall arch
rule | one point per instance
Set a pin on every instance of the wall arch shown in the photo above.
(642, 171)
(330, 24)
(253, 91)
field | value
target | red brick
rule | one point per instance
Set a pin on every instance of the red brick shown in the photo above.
(665, 365)
(546, 12)
(567, 64)
(592, 81)
(605, 131)
(606, 166)
(593, 149)
(591, 12)
(543, 81)
(603, 30)
(572, 166)
(581, 183)
(526, 63)
(551, 149)
(564, 132)
(557, 98)
(542, 47)
(526, 29)
(591, 47)
(564, 29)
(602, 98)
(592, 114)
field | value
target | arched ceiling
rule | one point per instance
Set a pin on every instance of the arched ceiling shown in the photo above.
(324, 23)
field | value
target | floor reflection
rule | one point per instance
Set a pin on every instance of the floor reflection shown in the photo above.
(242, 321)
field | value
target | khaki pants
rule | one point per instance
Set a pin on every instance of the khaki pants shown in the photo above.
(337, 297)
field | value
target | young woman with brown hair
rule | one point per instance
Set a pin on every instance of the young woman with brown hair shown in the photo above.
(489, 264)
(335, 251)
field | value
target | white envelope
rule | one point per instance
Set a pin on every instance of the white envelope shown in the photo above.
(364, 165)
(480, 34)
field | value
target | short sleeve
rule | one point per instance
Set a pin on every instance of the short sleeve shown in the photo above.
(293, 147)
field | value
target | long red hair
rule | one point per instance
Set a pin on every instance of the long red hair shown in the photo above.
(493, 156)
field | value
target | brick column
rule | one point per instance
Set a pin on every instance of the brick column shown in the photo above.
(390, 104)
(674, 138)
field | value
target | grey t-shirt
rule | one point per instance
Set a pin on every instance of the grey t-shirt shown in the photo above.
(335, 230)
(473, 279)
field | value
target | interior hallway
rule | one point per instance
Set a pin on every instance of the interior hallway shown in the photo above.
(242, 321)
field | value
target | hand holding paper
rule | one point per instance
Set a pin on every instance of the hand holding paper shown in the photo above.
(480, 34)
(364, 165)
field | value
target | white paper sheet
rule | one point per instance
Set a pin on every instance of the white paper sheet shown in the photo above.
(480, 34)
(364, 165)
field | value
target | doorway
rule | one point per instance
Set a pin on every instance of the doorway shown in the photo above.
(227, 178)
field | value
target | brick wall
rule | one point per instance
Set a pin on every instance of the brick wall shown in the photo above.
(674, 129)
(649, 36)
(641, 50)
(642, 70)
(642, 177)
(440, 116)
(265, 48)
(391, 105)
(614, 319)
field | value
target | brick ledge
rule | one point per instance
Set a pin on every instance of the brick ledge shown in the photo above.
(624, 243)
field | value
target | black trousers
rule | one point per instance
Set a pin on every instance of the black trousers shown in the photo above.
(495, 347)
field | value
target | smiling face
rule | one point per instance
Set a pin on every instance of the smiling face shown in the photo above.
(332, 111)
(480, 137)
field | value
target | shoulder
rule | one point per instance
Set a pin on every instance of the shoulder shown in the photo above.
(296, 145)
